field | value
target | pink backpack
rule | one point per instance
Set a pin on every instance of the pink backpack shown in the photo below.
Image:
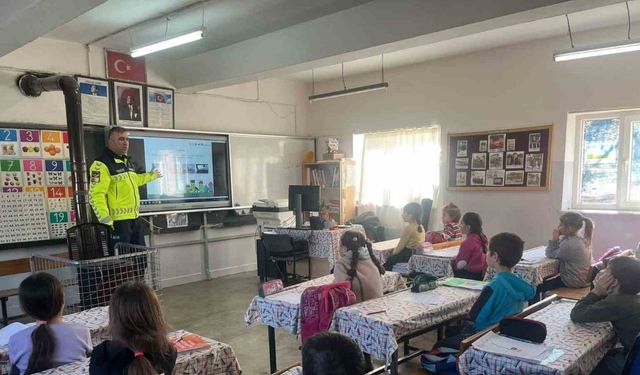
(318, 303)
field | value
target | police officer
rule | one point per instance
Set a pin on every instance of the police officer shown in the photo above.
(113, 191)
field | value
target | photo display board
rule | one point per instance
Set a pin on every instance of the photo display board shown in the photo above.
(514, 159)
(35, 174)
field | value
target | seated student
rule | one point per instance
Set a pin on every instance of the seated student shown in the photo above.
(450, 218)
(470, 263)
(359, 266)
(327, 220)
(614, 299)
(573, 251)
(505, 295)
(140, 345)
(412, 236)
(332, 353)
(51, 342)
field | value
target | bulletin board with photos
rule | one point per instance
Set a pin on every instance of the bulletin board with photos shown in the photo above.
(514, 159)
(35, 174)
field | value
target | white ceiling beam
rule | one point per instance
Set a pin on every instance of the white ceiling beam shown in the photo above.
(381, 26)
(23, 21)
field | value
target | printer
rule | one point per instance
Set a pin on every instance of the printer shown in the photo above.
(273, 213)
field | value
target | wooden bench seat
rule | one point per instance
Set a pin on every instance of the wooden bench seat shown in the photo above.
(571, 293)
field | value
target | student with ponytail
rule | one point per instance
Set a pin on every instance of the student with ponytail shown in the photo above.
(471, 263)
(50, 343)
(359, 266)
(140, 345)
(412, 236)
(573, 251)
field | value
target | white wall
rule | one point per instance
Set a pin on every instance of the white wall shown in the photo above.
(508, 87)
(273, 109)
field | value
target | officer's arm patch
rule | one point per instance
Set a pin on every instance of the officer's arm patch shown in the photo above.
(95, 177)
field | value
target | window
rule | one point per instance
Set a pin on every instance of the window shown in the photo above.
(398, 166)
(608, 161)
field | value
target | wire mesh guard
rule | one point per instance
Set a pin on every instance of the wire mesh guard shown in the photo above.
(90, 283)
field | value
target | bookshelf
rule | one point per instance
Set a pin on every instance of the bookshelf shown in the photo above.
(336, 179)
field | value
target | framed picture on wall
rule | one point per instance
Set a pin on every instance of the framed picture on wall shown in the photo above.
(479, 160)
(482, 146)
(500, 160)
(534, 162)
(462, 163)
(497, 142)
(514, 178)
(94, 94)
(461, 179)
(462, 148)
(496, 160)
(128, 104)
(160, 107)
(477, 178)
(515, 160)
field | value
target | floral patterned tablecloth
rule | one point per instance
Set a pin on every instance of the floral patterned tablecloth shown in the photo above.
(382, 250)
(95, 319)
(435, 262)
(285, 314)
(377, 324)
(438, 263)
(583, 346)
(217, 359)
(293, 371)
(322, 243)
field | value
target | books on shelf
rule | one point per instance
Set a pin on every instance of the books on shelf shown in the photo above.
(189, 342)
(324, 177)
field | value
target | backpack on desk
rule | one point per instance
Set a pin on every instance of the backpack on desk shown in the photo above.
(318, 304)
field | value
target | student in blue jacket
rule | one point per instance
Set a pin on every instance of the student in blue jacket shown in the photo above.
(507, 294)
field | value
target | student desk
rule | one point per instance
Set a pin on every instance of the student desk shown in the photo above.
(217, 359)
(95, 319)
(435, 262)
(378, 325)
(382, 250)
(438, 263)
(324, 245)
(282, 310)
(583, 346)
(535, 271)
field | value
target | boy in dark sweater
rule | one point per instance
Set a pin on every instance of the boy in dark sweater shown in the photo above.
(614, 299)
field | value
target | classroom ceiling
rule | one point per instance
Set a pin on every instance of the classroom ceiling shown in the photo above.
(255, 39)
(592, 19)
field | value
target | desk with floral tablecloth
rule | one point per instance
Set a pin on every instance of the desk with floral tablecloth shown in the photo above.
(378, 325)
(217, 359)
(95, 319)
(282, 310)
(582, 346)
(324, 245)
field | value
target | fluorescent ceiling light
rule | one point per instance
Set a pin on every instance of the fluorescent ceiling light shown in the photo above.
(599, 50)
(355, 90)
(167, 43)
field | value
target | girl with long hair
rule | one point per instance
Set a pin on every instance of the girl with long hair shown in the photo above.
(51, 342)
(471, 263)
(139, 329)
(359, 266)
(412, 236)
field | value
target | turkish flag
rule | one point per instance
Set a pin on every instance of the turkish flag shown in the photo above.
(123, 66)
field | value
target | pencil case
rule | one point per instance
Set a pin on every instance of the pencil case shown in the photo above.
(524, 329)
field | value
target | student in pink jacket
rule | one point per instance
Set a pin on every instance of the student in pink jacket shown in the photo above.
(470, 263)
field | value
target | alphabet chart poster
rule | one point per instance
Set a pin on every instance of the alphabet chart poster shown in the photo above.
(35, 176)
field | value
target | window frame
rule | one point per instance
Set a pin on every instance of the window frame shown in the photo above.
(623, 203)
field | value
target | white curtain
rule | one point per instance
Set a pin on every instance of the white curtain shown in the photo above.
(400, 166)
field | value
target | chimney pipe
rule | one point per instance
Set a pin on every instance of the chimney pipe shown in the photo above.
(32, 85)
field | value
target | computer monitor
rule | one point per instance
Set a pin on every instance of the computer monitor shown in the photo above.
(308, 199)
